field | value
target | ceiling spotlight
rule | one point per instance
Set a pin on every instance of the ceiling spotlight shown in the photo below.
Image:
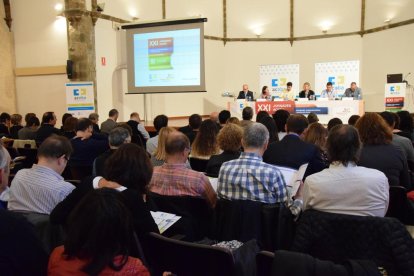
(59, 7)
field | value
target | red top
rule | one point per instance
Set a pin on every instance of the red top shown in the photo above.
(60, 266)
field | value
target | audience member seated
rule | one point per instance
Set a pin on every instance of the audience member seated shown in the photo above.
(152, 143)
(400, 141)
(159, 156)
(280, 116)
(234, 120)
(64, 117)
(16, 125)
(85, 147)
(110, 123)
(223, 117)
(42, 187)
(344, 187)
(173, 178)
(291, 151)
(378, 152)
(47, 128)
(129, 171)
(117, 137)
(99, 236)
(194, 123)
(214, 117)
(334, 122)
(260, 115)
(353, 119)
(4, 124)
(247, 115)
(316, 134)
(249, 178)
(30, 130)
(69, 127)
(4, 175)
(205, 143)
(229, 141)
(138, 129)
(270, 124)
(94, 117)
(406, 125)
(312, 118)
(21, 251)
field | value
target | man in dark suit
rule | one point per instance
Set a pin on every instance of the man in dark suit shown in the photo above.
(307, 92)
(291, 151)
(246, 93)
(47, 128)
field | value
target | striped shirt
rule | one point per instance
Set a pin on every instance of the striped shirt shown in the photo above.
(249, 178)
(178, 180)
(37, 190)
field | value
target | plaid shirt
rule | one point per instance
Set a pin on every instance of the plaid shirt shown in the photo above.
(249, 178)
(178, 180)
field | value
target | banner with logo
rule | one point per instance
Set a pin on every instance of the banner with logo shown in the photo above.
(340, 73)
(394, 96)
(79, 98)
(275, 76)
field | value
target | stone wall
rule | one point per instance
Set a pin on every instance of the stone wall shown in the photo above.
(7, 66)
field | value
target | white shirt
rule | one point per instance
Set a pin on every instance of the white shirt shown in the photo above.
(350, 190)
(152, 144)
(37, 190)
(144, 132)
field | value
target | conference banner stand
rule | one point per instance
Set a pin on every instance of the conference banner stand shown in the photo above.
(80, 98)
(395, 94)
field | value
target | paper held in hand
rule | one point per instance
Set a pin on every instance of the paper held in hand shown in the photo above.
(293, 177)
(164, 220)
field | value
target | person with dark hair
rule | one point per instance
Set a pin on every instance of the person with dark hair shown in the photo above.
(265, 93)
(246, 93)
(316, 134)
(173, 178)
(69, 126)
(249, 178)
(400, 141)
(16, 125)
(329, 92)
(94, 117)
(191, 130)
(29, 131)
(406, 125)
(224, 115)
(47, 128)
(345, 188)
(334, 122)
(312, 118)
(247, 115)
(110, 123)
(260, 115)
(280, 116)
(64, 117)
(378, 152)
(139, 134)
(127, 170)
(85, 147)
(152, 143)
(99, 234)
(288, 94)
(353, 91)
(4, 124)
(307, 92)
(205, 143)
(353, 119)
(117, 137)
(291, 151)
(40, 188)
(270, 124)
(229, 141)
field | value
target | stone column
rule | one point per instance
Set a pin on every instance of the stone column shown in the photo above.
(7, 66)
(81, 41)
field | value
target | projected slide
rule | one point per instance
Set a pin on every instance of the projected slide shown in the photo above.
(169, 58)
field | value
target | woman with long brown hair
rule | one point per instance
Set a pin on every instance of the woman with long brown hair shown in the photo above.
(205, 143)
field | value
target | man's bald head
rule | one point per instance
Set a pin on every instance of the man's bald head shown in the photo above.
(176, 142)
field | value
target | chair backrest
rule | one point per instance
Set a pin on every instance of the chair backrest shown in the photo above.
(196, 214)
(264, 262)
(31, 156)
(338, 237)
(244, 220)
(198, 164)
(399, 207)
(185, 258)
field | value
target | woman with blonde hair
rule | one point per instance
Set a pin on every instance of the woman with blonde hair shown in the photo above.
(158, 157)
(317, 134)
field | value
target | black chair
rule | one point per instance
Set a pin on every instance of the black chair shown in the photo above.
(270, 224)
(79, 172)
(185, 258)
(31, 156)
(196, 215)
(337, 238)
(198, 164)
(399, 206)
(264, 262)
